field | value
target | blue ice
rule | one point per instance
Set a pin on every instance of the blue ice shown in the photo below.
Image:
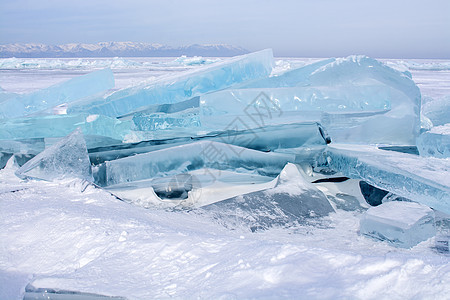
(180, 87)
(358, 99)
(420, 179)
(61, 125)
(189, 157)
(68, 91)
(68, 158)
(402, 224)
(435, 142)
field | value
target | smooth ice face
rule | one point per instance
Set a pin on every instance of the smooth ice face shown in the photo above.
(402, 224)
(193, 189)
(291, 78)
(359, 69)
(309, 142)
(438, 111)
(164, 121)
(435, 142)
(68, 158)
(180, 87)
(184, 158)
(303, 99)
(398, 126)
(5, 95)
(358, 99)
(420, 179)
(293, 200)
(62, 125)
(68, 91)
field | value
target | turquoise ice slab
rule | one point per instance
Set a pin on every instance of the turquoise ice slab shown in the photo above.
(68, 91)
(362, 70)
(358, 99)
(184, 158)
(421, 179)
(68, 158)
(305, 140)
(180, 87)
(61, 125)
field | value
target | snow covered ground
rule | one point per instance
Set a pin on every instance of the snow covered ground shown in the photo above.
(55, 236)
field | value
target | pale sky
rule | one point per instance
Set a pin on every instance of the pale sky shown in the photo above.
(314, 28)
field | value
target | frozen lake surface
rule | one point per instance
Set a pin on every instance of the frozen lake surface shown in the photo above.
(57, 237)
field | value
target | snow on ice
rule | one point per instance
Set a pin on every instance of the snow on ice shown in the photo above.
(225, 178)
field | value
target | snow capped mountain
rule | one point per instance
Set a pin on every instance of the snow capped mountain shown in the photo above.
(112, 49)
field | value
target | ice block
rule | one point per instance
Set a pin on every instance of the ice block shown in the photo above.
(180, 87)
(401, 224)
(66, 159)
(65, 92)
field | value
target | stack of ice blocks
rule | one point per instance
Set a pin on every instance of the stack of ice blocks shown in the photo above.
(225, 134)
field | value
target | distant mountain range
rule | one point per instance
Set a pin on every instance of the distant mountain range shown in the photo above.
(113, 49)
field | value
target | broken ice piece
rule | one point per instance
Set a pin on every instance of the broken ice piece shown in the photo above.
(71, 90)
(402, 224)
(437, 110)
(56, 126)
(189, 157)
(68, 158)
(180, 87)
(420, 179)
(292, 200)
(435, 142)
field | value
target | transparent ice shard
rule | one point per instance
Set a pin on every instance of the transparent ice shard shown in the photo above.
(66, 159)
(398, 126)
(318, 98)
(62, 125)
(435, 142)
(184, 158)
(420, 179)
(402, 224)
(310, 141)
(68, 91)
(180, 87)
(361, 70)
(192, 189)
(358, 99)
(437, 110)
(292, 200)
